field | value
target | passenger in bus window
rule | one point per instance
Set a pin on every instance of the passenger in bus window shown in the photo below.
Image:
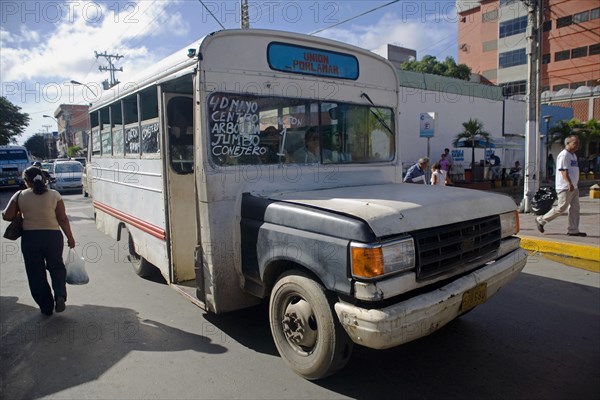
(337, 154)
(309, 153)
(270, 139)
(44, 215)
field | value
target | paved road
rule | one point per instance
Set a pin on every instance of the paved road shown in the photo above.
(126, 337)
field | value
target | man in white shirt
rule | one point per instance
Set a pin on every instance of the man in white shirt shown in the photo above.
(567, 178)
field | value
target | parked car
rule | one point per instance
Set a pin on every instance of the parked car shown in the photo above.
(82, 160)
(66, 176)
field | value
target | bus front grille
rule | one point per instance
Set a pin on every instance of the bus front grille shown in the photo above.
(442, 249)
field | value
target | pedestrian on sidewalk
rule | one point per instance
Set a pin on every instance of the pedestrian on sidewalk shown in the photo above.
(438, 178)
(44, 215)
(416, 173)
(567, 178)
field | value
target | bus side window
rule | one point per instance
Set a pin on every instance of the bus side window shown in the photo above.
(181, 134)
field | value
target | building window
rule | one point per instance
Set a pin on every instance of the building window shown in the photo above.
(581, 17)
(562, 55)
(512, 58)
(594, 49)
(579, 52)
(576, 85)
(507, 2)
(556, 88)
(513, 88)
(513, 27)
(592, 83)
(595, 13)
(564, 21)
(547, 26)
(546, 58)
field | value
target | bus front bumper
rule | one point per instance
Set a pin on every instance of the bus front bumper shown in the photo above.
(12, 181)
(424, 314)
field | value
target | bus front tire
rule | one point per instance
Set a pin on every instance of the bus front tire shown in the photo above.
(306, 332)
(140, 265)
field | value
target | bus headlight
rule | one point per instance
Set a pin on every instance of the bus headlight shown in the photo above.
(509, 224)
(374, 261)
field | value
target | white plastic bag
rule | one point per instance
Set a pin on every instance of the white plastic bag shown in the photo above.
(76, 273)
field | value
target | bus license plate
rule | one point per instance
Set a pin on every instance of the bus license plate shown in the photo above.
(474, 296)
(11, 182)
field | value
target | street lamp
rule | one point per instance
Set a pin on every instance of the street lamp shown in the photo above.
(547, 118)
(83, 84)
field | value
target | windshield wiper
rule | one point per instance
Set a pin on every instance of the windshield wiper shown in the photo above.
(379, 118)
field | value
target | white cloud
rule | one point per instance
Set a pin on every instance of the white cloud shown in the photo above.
(68, 51)
(41, 55)
(438, 39)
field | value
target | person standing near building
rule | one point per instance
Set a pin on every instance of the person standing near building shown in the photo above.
(449, 159)
(438, 178)
(44, 215)
(567, 178)
(416, 173)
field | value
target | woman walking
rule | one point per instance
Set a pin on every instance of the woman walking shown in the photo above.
(44, 215)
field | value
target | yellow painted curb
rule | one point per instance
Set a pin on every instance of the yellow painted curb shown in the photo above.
(565, 249)
(588, 265)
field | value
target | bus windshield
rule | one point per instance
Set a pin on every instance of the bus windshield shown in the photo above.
(248, 129)
(12, 156)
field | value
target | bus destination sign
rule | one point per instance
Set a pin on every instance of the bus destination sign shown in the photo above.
(310, 61)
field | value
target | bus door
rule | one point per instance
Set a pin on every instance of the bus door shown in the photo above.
(179, 175)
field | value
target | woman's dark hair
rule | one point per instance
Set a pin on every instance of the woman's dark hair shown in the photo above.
(38, 185)
(312, 132)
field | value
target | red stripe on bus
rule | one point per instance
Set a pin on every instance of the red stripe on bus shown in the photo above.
(153, 230)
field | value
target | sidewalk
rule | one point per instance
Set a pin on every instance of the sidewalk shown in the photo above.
(583, 252)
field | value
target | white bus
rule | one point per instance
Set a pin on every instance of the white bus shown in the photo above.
(13, 161)
(260, 165)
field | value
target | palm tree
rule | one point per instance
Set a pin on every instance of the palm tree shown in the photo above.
(588, 132)
(473, 132)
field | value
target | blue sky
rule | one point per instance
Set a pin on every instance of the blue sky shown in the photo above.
(46, 44)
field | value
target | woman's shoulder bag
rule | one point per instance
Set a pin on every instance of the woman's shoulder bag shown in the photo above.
(15, 228)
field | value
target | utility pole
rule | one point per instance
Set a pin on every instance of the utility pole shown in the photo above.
(107, 84)
(245, 19)
(532, 134)
(46, 135)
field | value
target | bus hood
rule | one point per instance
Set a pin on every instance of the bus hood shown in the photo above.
(392, 209)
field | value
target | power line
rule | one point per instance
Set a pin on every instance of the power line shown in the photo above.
(352, 18)
(211, 14)
(131, 38)
(111, 68)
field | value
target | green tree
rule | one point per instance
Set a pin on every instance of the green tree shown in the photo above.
(473, 132)
(430, 65)
(37, 146)
(588, 132)
(73, 151)
(12, 121)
